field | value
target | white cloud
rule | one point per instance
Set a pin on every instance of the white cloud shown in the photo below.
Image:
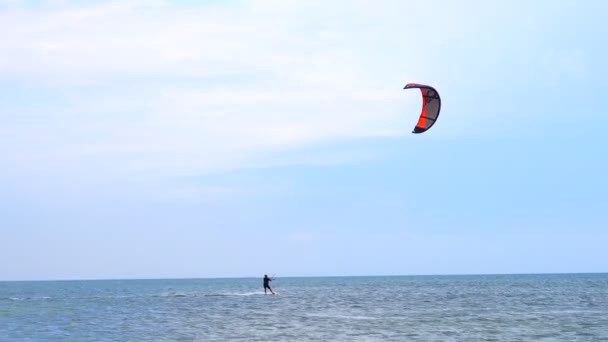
(11, 2)
(153, 88)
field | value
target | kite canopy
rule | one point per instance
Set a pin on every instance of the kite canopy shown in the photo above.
(431, 105)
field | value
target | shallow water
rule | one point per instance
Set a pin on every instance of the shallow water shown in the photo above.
(569, 307)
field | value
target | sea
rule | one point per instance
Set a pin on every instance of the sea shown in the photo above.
(541, 307)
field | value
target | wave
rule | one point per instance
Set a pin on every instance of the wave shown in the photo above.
(235, 294)
(26, 298)
(163, 295)
(342, 316)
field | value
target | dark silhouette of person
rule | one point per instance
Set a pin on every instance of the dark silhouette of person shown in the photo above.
(267, 281)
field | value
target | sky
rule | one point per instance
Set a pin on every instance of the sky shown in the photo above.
(189, 139)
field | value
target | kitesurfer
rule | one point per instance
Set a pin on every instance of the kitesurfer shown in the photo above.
(267, 281)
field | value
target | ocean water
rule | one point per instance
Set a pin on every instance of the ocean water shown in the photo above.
(567, 307)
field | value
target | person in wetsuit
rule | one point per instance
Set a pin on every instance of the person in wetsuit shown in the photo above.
(267, 281)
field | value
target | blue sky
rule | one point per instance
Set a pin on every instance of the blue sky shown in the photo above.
(155, 139)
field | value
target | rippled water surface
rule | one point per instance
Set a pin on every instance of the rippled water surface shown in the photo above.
(568, 307)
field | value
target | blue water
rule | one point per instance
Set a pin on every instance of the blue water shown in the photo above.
(568, 307)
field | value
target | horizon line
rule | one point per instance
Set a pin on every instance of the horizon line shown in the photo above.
(307, 276)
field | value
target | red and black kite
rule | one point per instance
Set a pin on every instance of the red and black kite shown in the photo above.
(431, 105)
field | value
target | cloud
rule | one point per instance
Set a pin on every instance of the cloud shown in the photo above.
(148, 88)
(11, 3)
(178, 91)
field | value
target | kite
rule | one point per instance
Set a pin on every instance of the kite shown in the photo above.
(431, 105)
